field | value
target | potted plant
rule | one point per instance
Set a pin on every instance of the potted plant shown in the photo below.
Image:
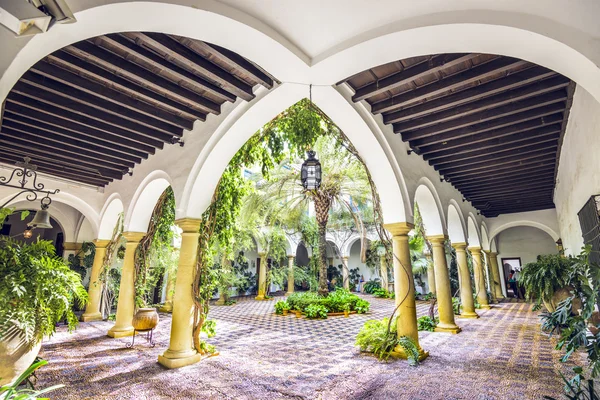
(346, 310)
(282, 307)
(37, 290)
(547, 279)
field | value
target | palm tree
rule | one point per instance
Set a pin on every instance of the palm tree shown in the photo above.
(344, 185)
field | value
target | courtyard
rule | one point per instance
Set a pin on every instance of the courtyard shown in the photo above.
(502, 355)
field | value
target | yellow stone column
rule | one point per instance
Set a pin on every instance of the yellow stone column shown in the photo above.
(290, 289)
(480, 289)
(442, 285)
(181, 350)
(404, 286)
(485, 259)
(497, 286)
(466, 290)
(126, 303)
(345, 273)
(92, 310)
(430, 274)
(168, 306)
(262, 277)
(330, 261)
(383, 271)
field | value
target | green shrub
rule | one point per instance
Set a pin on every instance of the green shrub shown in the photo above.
(315, 311)
(281, 306)
(371, 286)
(336, 301)
(456, 305)
(384, 294)
(425, 323)
(375, 338)
(361, 306)
(301, 300)
(549, 273)
(429, 296)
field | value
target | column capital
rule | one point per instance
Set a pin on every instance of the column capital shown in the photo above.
(72, 246)
(189, 225)
(490, 253)
(475, 250)
(134, 237)
(101, 243)
(460, 246)
(437, 239)
(399, 228)
(345, 258)
(262, 254)
(290, 256)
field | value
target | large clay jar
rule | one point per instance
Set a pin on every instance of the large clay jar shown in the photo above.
(145, 319)
(561, 294)
(15, 357)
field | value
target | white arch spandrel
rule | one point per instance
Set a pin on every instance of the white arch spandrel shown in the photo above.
(430, 207)
(485, 242)
(553, 234)
(473, 235)
(144, 200)
(113, 208)
(456, 224)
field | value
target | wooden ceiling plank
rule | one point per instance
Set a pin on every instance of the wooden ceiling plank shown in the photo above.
(488, 214)
(131, 89)
(502, 182)
(488, 125)
(503, 99)
(176, 50)
(434, 64)
(106, 93)
(531, 169)
(517, 107)
(525, 128)
(451, 83)
(522, 190)
(88, 102)
(486, 169)
(47, 123)
(81, 119)
(234, 60)
(142, 77)
(151, 58)
(467, 167)
(512, 81)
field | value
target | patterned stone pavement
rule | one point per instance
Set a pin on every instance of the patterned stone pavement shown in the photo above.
(502, 355)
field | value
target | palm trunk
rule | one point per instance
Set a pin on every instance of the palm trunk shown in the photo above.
(322, 204)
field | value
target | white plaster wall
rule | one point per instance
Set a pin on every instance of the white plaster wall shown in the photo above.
(355, 262)
(545, 220)
(579, 167)
(524, 242)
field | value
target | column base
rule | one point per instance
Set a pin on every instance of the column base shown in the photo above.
(167, 307)
(117, 333)
(448, 329)
(171, 359)
(260, 297)
(467, 314)
(220, 302)
(288, 293)
(485, 307)
(91, 317)
(399, 352)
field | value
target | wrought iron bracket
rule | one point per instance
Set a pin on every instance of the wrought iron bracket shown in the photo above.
(19, 178)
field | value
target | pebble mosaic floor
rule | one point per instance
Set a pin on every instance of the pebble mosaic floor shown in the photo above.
(502, 355)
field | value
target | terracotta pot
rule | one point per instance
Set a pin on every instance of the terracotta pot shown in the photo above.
(558, 296)
(593, 322)
(346, 313)
(298, 314)
(145, 319)
(285, 312)
(15, 357)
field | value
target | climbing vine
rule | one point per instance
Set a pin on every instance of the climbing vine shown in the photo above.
(109, 276)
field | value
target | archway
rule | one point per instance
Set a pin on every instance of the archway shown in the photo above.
(429, 206)
(111, 212)
(473, 234)
(456, 224)
(140, 209)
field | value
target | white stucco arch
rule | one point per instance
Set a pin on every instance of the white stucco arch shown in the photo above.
(456, 223)
(113, 207)
(139, 210)
(535, 224)
(485, 242)
(430, 207)
(59, 214)
(473, 234)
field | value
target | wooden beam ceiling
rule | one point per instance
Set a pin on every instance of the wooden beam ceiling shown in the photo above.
(490, 125)
(93, 110)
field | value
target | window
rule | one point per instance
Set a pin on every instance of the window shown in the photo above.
(589, 219)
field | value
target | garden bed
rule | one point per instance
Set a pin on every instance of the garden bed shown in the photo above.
(315, 306)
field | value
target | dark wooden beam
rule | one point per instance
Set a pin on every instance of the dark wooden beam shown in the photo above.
(516, 140)
(534, 145)
(461, 168)
(64, 129)
(518, 107)
(448, 84)
(106, 78)
(503, 104)
(142, 77)
(430, 66)
(77, 100)
(232, 59)
(495, 213)
(143, 141)
(512, 81)
(65, 147)
(110, 95)
(162, 66)
(506, 182)
(523, 190)
(488, 125)
(544, 160)
(522, 171)
(172, 49)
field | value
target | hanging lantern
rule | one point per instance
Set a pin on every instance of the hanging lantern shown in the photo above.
(28, 232)
(311, 172)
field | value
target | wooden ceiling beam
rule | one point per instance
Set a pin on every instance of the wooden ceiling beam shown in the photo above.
(460, 168)
(521, 190)
(430, 66)
(53, 116)
(174, 50)
(136, 49)
(518, 107)
(49, 125)
(523, 171)
(512, 81)
(488, 125)
(451, 83)
(506, 182)
(543, 161)
(232, 59)
(102, 92)
(106, 78)
(142, 77)
(517, 140)
(512, 209)
(95, 107)
(502, 104)
(531, 146)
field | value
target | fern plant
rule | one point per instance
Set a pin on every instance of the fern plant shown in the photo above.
(37, 290)
(542, 278)
(381, 338)
(425, 323)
